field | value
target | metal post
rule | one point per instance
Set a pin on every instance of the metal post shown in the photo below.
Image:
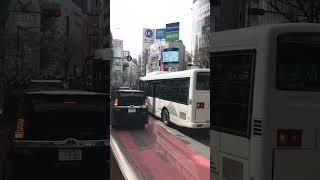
(22, 55)
(18, 49)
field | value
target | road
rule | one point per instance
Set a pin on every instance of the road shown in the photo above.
(158, 152)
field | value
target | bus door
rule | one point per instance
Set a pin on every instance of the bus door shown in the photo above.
(155, 95)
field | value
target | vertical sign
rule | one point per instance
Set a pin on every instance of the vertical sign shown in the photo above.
(172, 31)
(148, 37)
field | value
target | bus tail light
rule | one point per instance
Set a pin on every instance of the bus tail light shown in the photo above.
(289, 137)
(116, 102)
(19, 133)
(146, 102)
(200, 105)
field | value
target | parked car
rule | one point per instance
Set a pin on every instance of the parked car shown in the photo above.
(129, 108)
(62, 135)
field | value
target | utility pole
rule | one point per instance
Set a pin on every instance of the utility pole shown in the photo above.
(243, 15)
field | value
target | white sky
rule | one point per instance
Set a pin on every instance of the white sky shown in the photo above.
(128, 18)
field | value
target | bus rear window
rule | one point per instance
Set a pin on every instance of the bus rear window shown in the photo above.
(298, 65)
(203, 81)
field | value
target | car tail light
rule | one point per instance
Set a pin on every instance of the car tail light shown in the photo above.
(70, 102)
(146, 102)
(200, 105)
(289, 137)
(19, 133)
(116, 102)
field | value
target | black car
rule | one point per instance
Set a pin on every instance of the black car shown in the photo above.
(62, 135)
(129, 108)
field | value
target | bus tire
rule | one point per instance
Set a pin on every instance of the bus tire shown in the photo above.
(165, 116)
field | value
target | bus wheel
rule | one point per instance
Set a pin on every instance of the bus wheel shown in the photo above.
(165, 117)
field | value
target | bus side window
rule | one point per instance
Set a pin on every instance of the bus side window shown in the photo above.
(233, 86)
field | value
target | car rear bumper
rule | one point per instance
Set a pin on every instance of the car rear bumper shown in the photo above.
(44, 163)
(121, 116)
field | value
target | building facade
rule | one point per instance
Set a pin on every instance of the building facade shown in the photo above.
(200, 26)
(230, 14)
(22, 46)
(164, 56)
(117, 66)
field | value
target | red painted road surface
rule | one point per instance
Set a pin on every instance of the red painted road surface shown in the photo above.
(159, 155)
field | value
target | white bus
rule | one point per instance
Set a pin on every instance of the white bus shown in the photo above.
(265, 122)
(181, 98)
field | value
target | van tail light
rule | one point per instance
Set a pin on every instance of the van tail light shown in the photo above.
(19, 133)
(200, 105)
(116, 102)
(70, 102)
(146, 102)
(289, 137)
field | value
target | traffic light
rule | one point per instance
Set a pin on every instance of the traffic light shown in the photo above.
(51, 12)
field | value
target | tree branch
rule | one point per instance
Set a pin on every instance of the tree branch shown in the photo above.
(310, 9)
(274, 5)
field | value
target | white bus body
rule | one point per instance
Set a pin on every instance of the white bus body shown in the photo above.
(265, 120)
(179, 94)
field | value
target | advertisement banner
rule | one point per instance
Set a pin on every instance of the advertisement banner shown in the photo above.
(171, 36)
(117, 43)
(172, 31)
(161, 34)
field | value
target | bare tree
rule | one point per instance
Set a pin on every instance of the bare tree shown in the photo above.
(301, 10)
(201, 58)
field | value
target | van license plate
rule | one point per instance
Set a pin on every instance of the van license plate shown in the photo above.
(131, 110)
(70, 155)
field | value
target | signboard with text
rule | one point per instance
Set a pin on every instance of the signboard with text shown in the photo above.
(117, 43)
(161, 34)
(148, 35)
(172, 31)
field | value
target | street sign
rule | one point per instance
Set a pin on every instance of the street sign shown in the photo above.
(160, 33)
(25, 19)
(172, 31)
(148, 35)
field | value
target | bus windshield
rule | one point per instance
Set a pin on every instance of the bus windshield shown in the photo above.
(298, 65)
(203, 79)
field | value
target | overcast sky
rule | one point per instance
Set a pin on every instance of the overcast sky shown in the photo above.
(128, 18)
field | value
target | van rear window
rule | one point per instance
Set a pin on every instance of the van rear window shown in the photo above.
(131, 98)
(57, 117)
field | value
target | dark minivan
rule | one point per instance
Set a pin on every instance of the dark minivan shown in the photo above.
(62, 135)
(129, 108)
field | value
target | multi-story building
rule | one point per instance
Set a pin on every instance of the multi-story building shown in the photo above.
(63, 38)
(118, 61)
(22, 46)
(200, 27)
(230, 14)
(166, 56)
